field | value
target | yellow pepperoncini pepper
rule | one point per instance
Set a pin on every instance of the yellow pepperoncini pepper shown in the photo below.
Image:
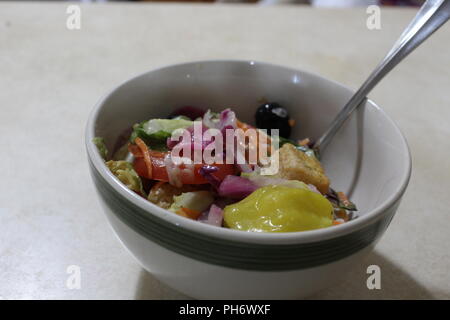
(276, 208)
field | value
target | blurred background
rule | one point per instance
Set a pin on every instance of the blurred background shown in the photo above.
(317, 3)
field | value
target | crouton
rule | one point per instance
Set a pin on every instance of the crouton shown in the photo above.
(294, 164)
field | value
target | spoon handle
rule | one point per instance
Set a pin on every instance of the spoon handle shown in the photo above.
(431, 16)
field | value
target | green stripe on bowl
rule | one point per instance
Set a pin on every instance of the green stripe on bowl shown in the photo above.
(235, 254)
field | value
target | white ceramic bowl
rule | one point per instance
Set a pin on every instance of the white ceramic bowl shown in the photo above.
(369, 160)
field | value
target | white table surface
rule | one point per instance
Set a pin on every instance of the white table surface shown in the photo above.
(51, 77)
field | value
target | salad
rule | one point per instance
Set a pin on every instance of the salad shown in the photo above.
(215, 169)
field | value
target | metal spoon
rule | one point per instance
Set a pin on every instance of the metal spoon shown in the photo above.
(431, 16)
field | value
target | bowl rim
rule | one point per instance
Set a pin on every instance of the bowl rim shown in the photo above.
(237, 235)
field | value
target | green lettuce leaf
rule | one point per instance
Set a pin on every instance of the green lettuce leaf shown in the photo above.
(156, 131)
(124, 171)
(196, 200)
(101, 147)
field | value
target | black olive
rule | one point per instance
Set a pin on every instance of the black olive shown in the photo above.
(273, 116)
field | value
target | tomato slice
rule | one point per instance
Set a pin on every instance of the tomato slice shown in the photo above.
(185, 175)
